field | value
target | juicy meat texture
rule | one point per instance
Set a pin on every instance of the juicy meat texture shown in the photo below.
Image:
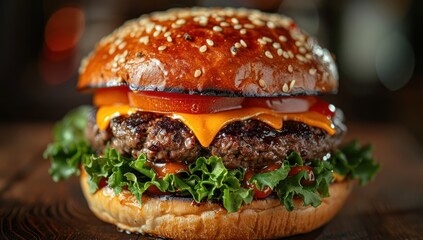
(249, 143)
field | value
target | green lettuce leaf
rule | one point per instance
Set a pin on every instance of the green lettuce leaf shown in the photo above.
(69, 146)
(292, 187)
(207, 179)
(271, 179)
(355, 162)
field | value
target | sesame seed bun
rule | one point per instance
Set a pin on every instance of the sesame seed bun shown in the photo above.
(226, 52)
(178, 218)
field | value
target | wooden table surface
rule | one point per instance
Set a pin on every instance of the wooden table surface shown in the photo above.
(32, 206)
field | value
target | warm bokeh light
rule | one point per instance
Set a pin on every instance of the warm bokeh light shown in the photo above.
(59, 60)
(64, 29)
(58, 68)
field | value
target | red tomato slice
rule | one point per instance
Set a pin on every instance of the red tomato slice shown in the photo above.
(102, 183)
(324, 108)
(154, 190)
(270, 168)
(169, 168)
(282, 104)
(183, 103)
(161, 170)
(292, 104)
(259, 194)
(196, 104)
(110, 96)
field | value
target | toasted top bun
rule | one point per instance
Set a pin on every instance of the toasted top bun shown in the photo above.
(225, 52)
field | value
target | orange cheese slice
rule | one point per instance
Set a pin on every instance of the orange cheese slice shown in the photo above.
(206, 126)
(107, 113)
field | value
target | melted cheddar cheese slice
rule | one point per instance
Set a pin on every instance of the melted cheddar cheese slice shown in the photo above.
(206, 126)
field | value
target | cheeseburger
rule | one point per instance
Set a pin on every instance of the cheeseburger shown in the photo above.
(206, 124)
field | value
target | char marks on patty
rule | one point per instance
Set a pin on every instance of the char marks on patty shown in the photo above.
(249, 143)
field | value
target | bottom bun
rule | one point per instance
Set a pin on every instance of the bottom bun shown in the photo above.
(179, 218)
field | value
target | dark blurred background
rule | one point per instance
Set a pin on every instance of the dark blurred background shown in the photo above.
(377, 44)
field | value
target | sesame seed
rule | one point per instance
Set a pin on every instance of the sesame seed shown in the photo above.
(149, 27)
(203, 18)
(248, 25)
(270, 25)
(237, 26)
(290, 68)
(124, 54)
(301, 58)
(282, 38)
(291, 55)
(238, 45)
(268, 54)
(243, 31)
(180, 21)
(308, 56)
(156, 33)
(217, 29)
(219, 19)
(312, 71)
(167, 34)
(261, 41)
(297, 43)
(302, 50)
(187, 37)
(234, 20)
(203, 48)
(325, 74)
(258, 22)
(234, 50)
(209, 42)
(114, 64)
(197, 73)
(144, 40)
(204, 22)
(280, 52)
(118, 41)
(174, 25)
(295, 34)
(267, 39)
(285, 55)
(291, 85)
(224, 24)
(262, 83)
(161, 48)
(243, 43)
(285, 87)
(169, 39)
(112, 50)
(158, 27)
(276, 45)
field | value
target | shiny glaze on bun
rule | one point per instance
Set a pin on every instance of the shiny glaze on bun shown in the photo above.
(226, 52)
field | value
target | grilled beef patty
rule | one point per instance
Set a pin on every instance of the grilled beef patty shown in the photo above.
(248, 143)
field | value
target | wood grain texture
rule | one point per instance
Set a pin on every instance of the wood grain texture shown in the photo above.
(32, 206)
